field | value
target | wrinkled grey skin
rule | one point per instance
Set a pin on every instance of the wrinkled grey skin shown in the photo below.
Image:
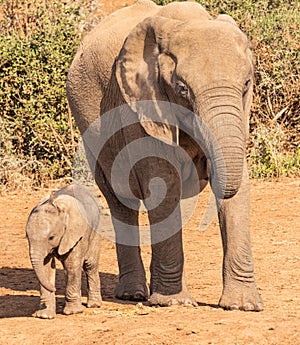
(179, 54)
(63, 226)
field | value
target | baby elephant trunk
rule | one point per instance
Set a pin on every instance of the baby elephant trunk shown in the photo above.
(40, 271)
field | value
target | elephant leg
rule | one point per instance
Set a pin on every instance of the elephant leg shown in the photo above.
(73, 270)
(239, 289)
(93, 283)
(47, 308)
(132, 277)
(167, 285)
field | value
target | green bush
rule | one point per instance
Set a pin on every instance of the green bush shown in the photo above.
(38, 40)
(268, 155)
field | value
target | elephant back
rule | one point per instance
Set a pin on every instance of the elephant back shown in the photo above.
(86, 202)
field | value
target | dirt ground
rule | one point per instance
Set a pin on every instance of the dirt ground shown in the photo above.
(275, 226)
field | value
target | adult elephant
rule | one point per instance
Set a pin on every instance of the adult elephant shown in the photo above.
(162, 96)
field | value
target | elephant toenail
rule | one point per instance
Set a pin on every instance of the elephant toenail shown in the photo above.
(234, 307)
(139, 296)
(248, 307)
(260, 307)
(126, 296)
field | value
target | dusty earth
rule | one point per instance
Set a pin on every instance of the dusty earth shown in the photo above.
(275, 225)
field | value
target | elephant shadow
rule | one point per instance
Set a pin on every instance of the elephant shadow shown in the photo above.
(16, 303)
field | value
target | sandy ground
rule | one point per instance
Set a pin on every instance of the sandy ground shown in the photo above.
(275, 225)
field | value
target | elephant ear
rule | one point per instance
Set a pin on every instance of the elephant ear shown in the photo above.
(138, 72)
(248, 94)
(75, 226)
(226, 18)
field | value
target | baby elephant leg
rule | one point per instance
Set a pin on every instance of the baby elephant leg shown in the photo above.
(47, 308)
(93, 284)
(73, 289)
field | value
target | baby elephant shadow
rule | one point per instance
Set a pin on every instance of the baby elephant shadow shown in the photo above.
(22, 298)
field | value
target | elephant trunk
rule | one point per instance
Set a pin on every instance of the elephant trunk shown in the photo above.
(37, 262)
(222, 132)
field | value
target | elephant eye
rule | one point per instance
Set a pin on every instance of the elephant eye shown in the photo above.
(246, 86)
(51, 238)
(181, 89)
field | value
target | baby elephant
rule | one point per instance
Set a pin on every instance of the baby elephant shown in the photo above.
(64, 226)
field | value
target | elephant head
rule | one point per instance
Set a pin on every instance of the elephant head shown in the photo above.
(205, 66)
(55, 223)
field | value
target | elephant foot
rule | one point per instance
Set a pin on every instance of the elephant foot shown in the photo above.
(241, 296)
(130, 291)
(46, 313)
(182, 298)
(94, 302)
(73, 308)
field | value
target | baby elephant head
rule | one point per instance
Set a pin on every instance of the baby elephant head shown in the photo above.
(56, 223)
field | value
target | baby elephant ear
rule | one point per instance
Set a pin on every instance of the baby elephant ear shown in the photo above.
(74, 221)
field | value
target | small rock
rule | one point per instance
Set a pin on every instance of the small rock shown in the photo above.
(141, 309)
